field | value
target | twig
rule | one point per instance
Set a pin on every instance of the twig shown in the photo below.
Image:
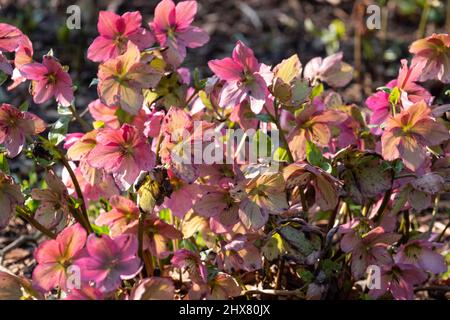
(304, 202)
(433, 288)
(443, 232)
(295, 293)
(384, 203)
(279, 274)
(434, 214)
(80, 120)
(18, 242)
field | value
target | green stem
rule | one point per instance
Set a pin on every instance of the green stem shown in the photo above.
(423, 20)
(84, 215)
(275, 119)
(80, 120)
(142, 215)
(434, 214)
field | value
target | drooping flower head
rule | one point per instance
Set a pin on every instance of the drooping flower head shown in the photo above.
(190, 261)
(399, 280)
(109, 261)
(15, 125)
(367, 248)
(123, 152)
(157, 235)
(53, 207)
(55, 257)
(49, 79)
(172, 27)
(122, 79)
(331, 70)
(434, 52)
(245, 78)
(421, 253)
(314, 124)
(115, 32)
(101, 184)
(10, 197)
(407, 135)
(324, 184)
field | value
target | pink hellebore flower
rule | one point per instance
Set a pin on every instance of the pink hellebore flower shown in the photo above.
(330, 70)
(368, 249)
(10, 37)
(107, 115)
(186, 259)
(54, 257)
(434, 51)
(123, 212)
(313, 124)
(147, 120)
(10, 197)
(245, 78)
(381, 109)
(399, 280)
(123, 152)
(109, 261)
(122, 79)
(115, 32)
(103, 185)
(15, 125)
(49, 79)
(157, 235)
(411, 93)
(13, 40)
(421, 254)
(409, 133)
(172, 27)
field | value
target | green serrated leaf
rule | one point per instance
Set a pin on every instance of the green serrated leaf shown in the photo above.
(59, 129)
(4, 166)
(313, 154)
(24, 106)
(3, 77)
(281, 154)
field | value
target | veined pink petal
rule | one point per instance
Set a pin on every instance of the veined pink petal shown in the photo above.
(231, 95)
(142, 38)
(101, 49)
(72, 240)
(132, 22)
(244, 56)
(10, 37)
(34, 71)
(185, 12)
(49, 275)
(49, 251)
(226, 69)
(193, 37)
(165, 16)
(107, 23)
(42, 91)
